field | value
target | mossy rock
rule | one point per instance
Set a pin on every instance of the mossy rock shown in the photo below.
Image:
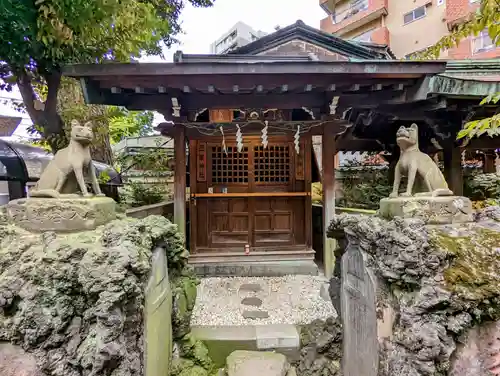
(184, 298)
(196, 351)
(186, 367)
(474, 271)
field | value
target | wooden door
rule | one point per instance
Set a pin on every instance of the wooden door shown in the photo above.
(247, 198)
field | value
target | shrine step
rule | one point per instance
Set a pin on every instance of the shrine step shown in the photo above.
(248, 268)
(223, 340)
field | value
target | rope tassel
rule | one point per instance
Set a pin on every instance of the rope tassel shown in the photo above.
(296, 139)
(264, 135)
(239, 139)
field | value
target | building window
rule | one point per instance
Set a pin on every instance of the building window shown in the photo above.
(441, 2)
(482, 42)
(415, 14)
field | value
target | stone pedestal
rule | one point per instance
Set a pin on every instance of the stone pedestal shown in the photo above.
(61, 214)
(433, 210)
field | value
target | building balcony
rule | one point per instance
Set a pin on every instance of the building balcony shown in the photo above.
(458, 11)
(328, 5)
(356, 14)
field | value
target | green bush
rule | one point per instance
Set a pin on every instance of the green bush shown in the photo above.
(137, 194)
(363, 187)
(479, 187)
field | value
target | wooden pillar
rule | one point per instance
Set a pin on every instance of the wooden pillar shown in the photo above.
(180, 179)
(452, 158)
(489, 165)
(328, 161)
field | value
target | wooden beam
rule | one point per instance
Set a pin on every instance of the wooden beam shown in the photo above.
(383, 68)
(180, 179)
(225, 83)
(452, 158)
(489, 165)
(328, 179)
(197, 101)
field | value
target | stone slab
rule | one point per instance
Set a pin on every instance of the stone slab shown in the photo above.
(251, 363)
(432, 210)
(256, 269)
(221, 341)
(61, 214)
(283, 338)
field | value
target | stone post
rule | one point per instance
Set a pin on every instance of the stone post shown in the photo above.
(158, 318)
(358, 313)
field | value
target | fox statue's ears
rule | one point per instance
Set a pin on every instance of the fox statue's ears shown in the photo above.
(414, 126)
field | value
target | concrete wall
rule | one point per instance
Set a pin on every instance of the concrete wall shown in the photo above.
(239, 35)
(412, 37)
(418, 34)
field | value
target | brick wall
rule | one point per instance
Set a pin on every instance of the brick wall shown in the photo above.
(373, 6)
(458, 10)
(381, 36)
(301, 48)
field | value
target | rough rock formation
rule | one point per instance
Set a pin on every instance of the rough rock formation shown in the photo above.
(438, 281)
(75, 301)
(321, 348)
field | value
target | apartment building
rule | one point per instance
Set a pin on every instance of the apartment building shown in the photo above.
(237, 36)
(407, 26)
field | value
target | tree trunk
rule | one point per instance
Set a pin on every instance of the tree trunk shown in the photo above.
(45, 116)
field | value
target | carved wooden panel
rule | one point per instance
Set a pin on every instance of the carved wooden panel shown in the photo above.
(300, 164)
(231, 167)
(229, 222)
(221, 116)
(201, 158)
(272, 164)
(273, 221)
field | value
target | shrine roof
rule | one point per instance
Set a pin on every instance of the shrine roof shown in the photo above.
(205, 81)
(300, 31)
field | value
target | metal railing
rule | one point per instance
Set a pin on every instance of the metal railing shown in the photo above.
(355, 6)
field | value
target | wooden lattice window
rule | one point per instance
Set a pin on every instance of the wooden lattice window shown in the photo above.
(231, 167)
(272, 164)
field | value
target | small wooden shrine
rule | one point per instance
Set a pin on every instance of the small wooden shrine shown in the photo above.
(243, 125)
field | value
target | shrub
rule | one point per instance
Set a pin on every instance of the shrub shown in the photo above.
(139, 194)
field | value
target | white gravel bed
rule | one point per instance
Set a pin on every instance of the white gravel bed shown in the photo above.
(293, 299)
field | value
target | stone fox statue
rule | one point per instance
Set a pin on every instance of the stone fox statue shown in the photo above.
(415, 164)
(65, 174)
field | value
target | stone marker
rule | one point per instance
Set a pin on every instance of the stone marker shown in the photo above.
(358, 314)
(427, 195)
(62, 215)
(158, 318)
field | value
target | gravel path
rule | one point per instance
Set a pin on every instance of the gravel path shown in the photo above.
(291, 299)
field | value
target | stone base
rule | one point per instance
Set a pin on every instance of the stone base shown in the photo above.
(221, 341)
(256, 269)
(433, 210)
(61, 214)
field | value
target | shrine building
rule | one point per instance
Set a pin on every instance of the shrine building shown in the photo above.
(243, 125)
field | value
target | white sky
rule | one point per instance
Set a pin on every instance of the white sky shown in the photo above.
(203, 26)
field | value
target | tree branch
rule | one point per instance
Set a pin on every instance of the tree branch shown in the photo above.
(28, 94)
